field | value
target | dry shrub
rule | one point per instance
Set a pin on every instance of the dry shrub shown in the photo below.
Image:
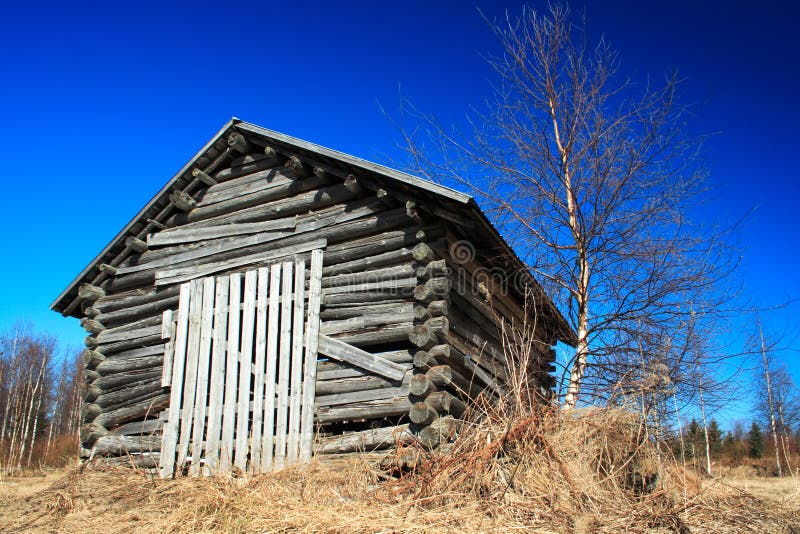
(591, 470)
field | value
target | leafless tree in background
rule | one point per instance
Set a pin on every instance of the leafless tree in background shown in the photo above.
(776, 398)
(38, 405)
(593, 179)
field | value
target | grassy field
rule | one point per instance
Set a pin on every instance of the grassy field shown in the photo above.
(347, 496)
(543, 473)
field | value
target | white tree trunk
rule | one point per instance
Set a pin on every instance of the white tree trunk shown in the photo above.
(770, 402)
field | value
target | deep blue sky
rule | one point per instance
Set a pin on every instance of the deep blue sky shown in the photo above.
(102, 103)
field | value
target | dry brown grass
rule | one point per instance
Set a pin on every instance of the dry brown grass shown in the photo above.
(543, 472)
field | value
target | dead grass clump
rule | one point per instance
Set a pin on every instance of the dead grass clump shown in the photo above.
(589, 470)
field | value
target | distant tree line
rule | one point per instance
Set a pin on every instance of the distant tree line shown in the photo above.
(40, 398)
(737, 446)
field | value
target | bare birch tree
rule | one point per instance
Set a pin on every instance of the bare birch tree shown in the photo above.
(592, 178)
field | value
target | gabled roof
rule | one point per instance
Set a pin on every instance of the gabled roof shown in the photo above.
(67, 302)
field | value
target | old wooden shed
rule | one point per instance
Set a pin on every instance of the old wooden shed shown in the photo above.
(278, 299)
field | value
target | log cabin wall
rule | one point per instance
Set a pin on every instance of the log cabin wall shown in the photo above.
(393, 284)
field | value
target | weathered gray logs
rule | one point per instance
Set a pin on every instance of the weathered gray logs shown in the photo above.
(133, 412)
(377, 335)
(112, 445)
(245, 169)
(108, 269)
(144, 460)
(420, 385)
(422, 413)
(91, 392)
(433, 269)
(137, 342)
(367, 247)
(346, 385)
(229, 248)
(436, 308)
(90, 376)
(440, 431)
(428, 335)
(123, 331)
(135, 244)
(92, 326)
(363, 310)
(299, 169)
(203, 177)
(333, 369)
(115, 341)
(423, 253)
(385, 274)
(440, 375)
(136, 390)
(131, 281)
(116, 381)
(364, 410)
(182, 200)
(394, 295)
(424, 360)
(90, 292)
(149, 426)
(444, 402)
(440, 351)
(351, 183)
(129, 303)
(238, 143)
(433, 289)
(91, 432)
(89, 411)
(92, 358)
(366, 440)
(373, 261)
(120, 365)
(293, 197)
(134, 313)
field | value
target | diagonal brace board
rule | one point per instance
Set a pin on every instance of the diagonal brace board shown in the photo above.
(339, 350)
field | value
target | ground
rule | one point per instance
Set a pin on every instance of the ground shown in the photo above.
(343, 497)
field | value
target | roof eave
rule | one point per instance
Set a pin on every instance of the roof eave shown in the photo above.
(57, 304)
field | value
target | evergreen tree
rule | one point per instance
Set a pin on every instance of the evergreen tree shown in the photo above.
(756, 440)
(714, 438)
(694, 439)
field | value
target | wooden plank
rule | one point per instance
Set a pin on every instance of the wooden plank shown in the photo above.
(273, 333)
(360, 396)
(245, 370)
(338, 350)
(190, 377)
(180, 274)
(109, 336)
(217, 388)
(166, 324)
(190, 235)
(203, 364)
(231, 372)
(360, 219)
(365, 410)
(170, 434)
(167, 332)
(296, 389)
(310, 363)
(283, 366)
(258, 370)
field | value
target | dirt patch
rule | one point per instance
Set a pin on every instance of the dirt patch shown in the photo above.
(784, 490)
